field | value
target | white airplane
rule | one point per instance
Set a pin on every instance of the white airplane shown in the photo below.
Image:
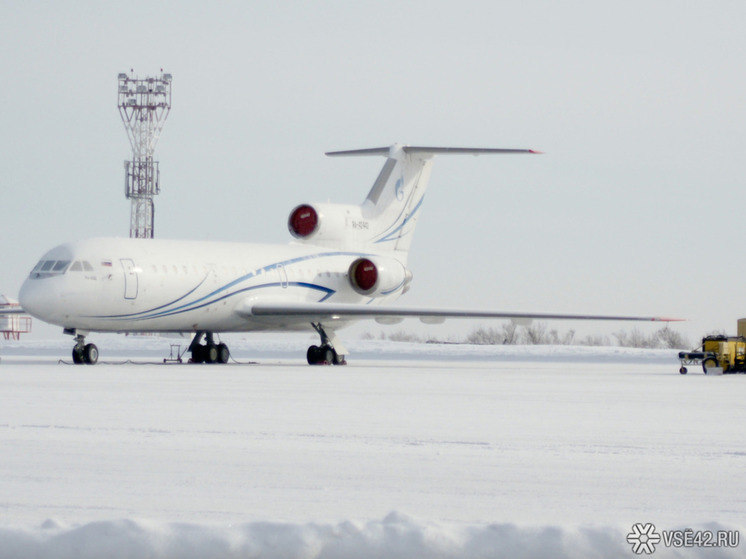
(346, 263)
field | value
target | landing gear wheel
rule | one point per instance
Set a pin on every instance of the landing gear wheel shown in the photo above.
(90, 354)
(311, 354)
(224, 353)
(211, 353)
(78, 356)
(683, 370)
(198, 354)
(85, 353)
(326, 355)
(323, 355)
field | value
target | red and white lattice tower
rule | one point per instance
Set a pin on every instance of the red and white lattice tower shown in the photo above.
(144, 105)
(13, 322)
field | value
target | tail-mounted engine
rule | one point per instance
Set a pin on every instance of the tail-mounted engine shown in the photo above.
(376, 275)
(343, 227)
(320, 224)
(303, 221)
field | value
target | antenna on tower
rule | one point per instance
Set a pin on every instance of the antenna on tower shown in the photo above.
(144, 105)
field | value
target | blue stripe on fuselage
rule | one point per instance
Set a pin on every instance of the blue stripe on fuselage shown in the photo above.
(210, 297)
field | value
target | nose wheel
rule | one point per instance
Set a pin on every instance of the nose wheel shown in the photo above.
(83, 353)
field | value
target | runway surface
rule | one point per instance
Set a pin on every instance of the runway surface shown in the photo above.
(568, 448)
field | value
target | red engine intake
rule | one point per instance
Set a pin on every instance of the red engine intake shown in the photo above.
(363, 276)
(303, 221)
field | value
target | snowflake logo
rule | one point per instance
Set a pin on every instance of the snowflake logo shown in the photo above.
(643, 538)
(398, 190)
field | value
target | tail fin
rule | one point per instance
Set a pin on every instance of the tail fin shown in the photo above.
(394, 201)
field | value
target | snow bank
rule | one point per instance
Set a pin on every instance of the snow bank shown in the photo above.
(396, 536)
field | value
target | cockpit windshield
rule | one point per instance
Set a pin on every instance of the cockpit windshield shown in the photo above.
(49, 268)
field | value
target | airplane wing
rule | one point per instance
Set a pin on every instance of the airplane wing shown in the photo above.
(322, 312)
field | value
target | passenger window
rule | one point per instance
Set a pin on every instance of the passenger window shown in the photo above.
(76, 267)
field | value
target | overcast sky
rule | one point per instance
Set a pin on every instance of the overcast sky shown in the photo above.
(635, 207)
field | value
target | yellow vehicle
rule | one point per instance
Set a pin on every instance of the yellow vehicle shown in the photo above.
(717, 352)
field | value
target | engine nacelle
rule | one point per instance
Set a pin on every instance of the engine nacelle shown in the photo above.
(323, 223)
(343, 227)
(374, 276)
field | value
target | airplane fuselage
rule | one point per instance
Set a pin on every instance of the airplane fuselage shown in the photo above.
(153, 285)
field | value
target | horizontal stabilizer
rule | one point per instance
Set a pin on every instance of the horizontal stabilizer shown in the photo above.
(390, 150)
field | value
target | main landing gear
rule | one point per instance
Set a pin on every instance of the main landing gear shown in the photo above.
(84, 353)
(325, 354)
(209, 352)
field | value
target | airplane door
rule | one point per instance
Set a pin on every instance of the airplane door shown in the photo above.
(131, 280)
(283, 276)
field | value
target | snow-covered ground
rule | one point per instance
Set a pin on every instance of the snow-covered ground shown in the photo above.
(412, 450)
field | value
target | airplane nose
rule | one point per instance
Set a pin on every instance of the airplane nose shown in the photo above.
(36, 297)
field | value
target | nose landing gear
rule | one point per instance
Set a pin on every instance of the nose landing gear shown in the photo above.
(84, 353)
